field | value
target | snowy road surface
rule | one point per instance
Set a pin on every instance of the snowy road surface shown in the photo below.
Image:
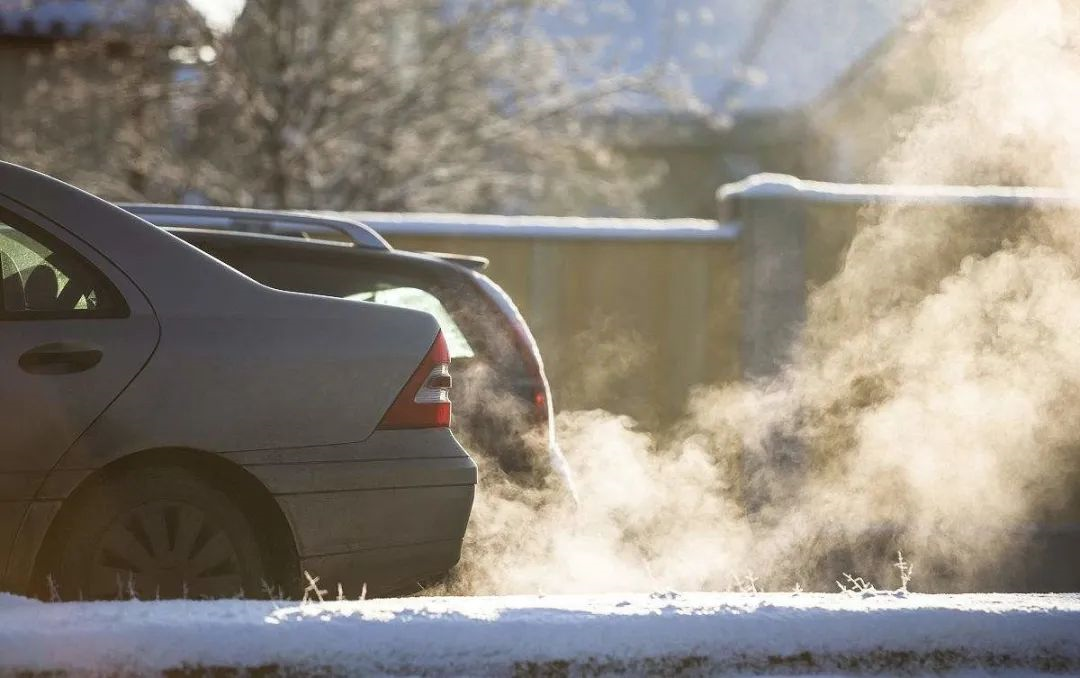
(695, 633)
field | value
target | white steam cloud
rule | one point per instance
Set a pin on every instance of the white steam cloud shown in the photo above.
(931, 404)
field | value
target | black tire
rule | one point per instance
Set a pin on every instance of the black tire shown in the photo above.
(157, 532)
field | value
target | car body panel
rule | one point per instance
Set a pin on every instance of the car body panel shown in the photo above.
(39, 515)
(425, 443)
(53, 410)
(42, 415)
(296, 477)
(385, 571)
(401, 496)
(288, 380)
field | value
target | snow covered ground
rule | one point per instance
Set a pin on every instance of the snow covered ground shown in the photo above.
(692, 633)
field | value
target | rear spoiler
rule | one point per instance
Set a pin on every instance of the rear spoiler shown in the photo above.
(470, 262)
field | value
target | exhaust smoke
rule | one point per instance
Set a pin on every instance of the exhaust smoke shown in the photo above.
(931, 403)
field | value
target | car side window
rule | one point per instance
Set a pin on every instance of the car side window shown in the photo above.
(422, 300)
(42, 279)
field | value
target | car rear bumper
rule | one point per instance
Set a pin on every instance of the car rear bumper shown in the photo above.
(387, 512)
(395, 570)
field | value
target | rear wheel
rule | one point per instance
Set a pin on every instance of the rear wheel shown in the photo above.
(156, 533)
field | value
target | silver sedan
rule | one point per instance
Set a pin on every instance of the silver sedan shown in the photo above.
(170, 428)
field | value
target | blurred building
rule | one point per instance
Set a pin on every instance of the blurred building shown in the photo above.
(99, 69)
(758, 71)
(885, 94)
(789, 86)
(865, 113)
(36, 27)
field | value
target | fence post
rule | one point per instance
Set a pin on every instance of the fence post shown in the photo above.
(773, 280)
(773, 274)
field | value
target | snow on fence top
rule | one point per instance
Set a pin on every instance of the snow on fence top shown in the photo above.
(665, 633)
(567, 228)
(755, 187)
(780, 186)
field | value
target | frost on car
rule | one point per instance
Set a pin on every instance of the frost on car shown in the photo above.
(170, 427)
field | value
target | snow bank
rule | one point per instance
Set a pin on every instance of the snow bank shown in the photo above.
(701, 633)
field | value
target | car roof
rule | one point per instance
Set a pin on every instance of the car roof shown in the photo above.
(173, 275)
(313, 249)
(277, 222)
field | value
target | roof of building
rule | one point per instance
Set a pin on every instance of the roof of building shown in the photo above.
(736, 56)
(72, 18)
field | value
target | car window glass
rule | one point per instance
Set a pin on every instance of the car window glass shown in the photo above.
(421, 300)
(43, 278)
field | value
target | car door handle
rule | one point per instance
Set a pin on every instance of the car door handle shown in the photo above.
(60, 358)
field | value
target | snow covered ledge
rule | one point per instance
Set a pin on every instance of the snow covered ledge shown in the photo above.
(696, 633)
(768, 186)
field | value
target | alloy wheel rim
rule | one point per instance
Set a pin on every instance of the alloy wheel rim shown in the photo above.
(164, 550)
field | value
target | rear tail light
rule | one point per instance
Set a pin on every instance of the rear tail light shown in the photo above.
(525, 344)
(425, 400)
(526, 349)
(540, 403)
